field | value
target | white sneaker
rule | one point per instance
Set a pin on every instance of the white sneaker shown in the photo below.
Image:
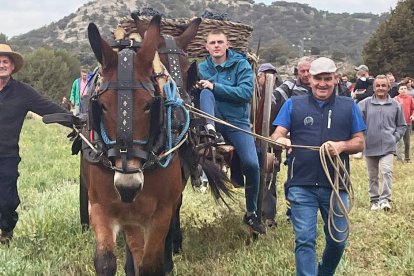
(375, 206)
(386, 206)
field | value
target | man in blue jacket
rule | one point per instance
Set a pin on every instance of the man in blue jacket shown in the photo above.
(227, 89)
(312, 120)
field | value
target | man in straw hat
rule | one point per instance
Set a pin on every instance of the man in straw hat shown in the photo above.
(16, 99)
(313, 119)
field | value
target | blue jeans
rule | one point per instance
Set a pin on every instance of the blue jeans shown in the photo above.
(305, 202)
(244, 146)
(208, 103)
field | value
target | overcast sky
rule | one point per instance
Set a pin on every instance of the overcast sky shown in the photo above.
(20, 16)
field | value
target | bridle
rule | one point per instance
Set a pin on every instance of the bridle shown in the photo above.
(124, 146)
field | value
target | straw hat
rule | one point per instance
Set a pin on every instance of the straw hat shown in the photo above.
(16, 57)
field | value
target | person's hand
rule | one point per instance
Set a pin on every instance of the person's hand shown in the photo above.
(284, 143)
(72, 103)
(412, 118)
(206, 84)
(334, 148)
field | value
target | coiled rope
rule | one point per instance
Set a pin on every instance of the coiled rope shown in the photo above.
(339, 181)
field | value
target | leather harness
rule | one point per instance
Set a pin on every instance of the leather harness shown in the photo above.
(123, 146)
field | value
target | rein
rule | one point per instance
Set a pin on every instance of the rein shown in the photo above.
(201, 113)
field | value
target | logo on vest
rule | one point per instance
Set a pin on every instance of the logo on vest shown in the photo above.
(308, 121)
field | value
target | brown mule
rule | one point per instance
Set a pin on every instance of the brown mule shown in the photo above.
(128, 190)
(150, 196)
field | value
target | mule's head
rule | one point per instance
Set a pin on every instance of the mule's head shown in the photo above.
(126, 101)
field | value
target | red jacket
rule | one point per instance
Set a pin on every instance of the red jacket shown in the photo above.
(407, 104)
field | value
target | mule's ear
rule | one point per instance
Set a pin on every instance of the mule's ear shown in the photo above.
(141, 26)
(151, 39)
(188, 35)
(103, 52)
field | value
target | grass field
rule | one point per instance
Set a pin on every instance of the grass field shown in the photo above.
(49, 241)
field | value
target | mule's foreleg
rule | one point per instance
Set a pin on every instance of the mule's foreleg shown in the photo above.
(154, 236)
(135, 241)
(105, 235)
(105, 262)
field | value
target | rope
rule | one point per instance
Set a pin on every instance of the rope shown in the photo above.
(172, 102)
(339, 181)
(201, 113)
(108, 141)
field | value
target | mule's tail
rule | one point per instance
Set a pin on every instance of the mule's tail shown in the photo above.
(219, 182)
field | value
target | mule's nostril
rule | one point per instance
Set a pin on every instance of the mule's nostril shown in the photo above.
(128, 194)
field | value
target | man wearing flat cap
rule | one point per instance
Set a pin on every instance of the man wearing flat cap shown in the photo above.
(16, 99)
(312, 120)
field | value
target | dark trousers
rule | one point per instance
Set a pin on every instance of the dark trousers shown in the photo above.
(269, 196)
(9, 197)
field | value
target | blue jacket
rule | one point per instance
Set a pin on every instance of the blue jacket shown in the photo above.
(233, 86)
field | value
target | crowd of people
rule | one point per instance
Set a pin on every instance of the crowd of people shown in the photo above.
(372, 115)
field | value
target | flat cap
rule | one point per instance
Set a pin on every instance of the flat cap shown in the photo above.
(266, 67)
(322, 65)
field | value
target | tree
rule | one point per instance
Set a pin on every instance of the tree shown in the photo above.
(50, 72)
(390, 48)
(3, 38)
(277, 52)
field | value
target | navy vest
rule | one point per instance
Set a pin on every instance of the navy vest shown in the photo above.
(312, 125)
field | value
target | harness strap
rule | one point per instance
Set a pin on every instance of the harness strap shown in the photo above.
(127, 85)
(170, 50)
(129, 153)
(124, 139)
(125, 43)
(173, 60)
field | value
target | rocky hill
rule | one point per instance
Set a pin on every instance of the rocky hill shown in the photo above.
(280, 21)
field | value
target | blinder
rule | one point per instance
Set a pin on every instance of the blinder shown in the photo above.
(174, 68)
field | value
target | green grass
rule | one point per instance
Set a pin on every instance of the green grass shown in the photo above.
(49, 241)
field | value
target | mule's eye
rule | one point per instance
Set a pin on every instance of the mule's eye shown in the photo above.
(103, 107)
(147, 107)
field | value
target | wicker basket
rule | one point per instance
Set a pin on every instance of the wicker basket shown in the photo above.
(237, 34)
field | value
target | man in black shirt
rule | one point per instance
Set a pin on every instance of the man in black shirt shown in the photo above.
(16, 99)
